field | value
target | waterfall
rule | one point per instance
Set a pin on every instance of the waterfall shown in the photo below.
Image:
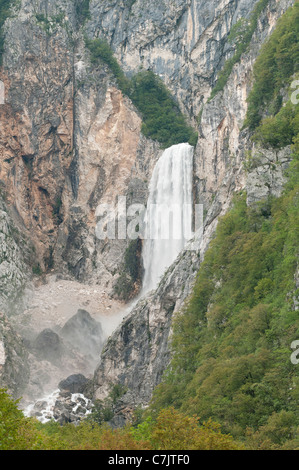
(168, 217)
(166, 230)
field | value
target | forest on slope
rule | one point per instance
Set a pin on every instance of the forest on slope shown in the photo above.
(232, 343)
(231, 383)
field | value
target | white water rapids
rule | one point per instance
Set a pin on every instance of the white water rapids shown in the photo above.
(167, 229)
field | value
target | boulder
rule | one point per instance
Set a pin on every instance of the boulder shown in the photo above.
(48, 345)
(75, 383)
(84, 333)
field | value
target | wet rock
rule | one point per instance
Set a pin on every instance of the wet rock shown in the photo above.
(72, 409)
(39, 406)
(14, 368)
(84, 333)
(75, 383)
(48, 345)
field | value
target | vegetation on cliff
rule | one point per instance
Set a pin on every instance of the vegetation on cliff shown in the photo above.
(240, 35)
(162, 119)
(130, 279)
(232, 342)
(231, 383)
(170, 430)
(273, 70)
(4, 14)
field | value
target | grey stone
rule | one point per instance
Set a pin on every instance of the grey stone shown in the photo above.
(75, 383)
(47, 345)
(84, 333)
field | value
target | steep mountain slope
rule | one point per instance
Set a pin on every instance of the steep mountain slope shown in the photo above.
(71, 139)
(220, 157)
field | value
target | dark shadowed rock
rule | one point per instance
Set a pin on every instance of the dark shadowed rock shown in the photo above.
(14, 368)
(84, 333)
(48, 345)
(75, 383)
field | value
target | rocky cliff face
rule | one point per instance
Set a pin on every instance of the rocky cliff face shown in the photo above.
(14, 367)
(222, 166)
(184, 42)
(70, 140)
(223, 147)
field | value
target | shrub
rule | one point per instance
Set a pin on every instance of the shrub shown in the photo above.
(277, 62)
(4, 14)
(241, 34)
(16, 431)
(231, 343)
(100, 49)
(162, 119)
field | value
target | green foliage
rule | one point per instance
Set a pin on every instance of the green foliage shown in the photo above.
(276, 64)
(231, 344)
(37, 270)
(4, 14)
(100, 49)
(241, 34)
(124, 287)
(101, 413)
(57, 206)
(16, 431)
(103, 410)
(82, 10)
(170, 430)
(162, 119)
(130, 277)
(49, 23)
(280, 130)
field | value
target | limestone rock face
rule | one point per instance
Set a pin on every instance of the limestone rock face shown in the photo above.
(223, 147)
(71, 141)
(14, 367)
(184, 42)
(137, 354)
(221, 168)
(266, 173)
(14, 252)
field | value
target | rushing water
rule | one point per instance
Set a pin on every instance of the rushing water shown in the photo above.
(167, 229)
(168, 218)
(43, 409)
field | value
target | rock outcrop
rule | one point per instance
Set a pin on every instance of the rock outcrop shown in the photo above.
(75, 383)
(184, 42)
(137, 354)
(48, 346)
(14, 366)
(84, 333)
(70, 140)
(225, 162)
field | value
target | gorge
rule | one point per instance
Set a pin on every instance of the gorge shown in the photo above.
(167, 229)
(170, 105)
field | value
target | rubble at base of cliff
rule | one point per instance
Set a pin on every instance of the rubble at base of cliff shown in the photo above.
(67, 404)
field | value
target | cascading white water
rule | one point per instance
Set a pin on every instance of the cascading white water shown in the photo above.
(166, 235)
(168, 218)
